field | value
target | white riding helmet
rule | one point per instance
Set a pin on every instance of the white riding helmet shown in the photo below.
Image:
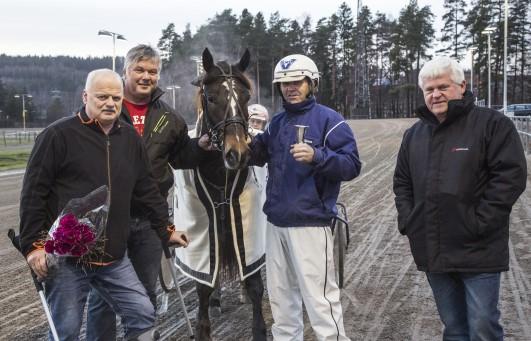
(258, 112)
(294, 68)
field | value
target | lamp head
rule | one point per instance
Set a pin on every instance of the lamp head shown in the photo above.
(488, 30)
(104, 33)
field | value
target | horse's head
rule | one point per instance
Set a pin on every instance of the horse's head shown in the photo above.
(225, 91)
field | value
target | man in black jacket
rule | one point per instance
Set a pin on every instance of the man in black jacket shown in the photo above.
(165, 135)
(71, 158)
(459, 171)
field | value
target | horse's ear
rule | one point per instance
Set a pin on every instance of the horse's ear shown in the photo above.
(208, 61)
(244, 61)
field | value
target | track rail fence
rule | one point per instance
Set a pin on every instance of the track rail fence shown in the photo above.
(8, 138)
(523, 126)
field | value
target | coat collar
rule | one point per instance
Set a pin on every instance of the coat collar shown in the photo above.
(155, 96)
(94, 124)
(456, 109)
(299, 108)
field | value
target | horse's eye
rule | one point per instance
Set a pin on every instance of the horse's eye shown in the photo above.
(211, 99)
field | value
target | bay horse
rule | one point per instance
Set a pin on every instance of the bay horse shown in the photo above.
(219, 202)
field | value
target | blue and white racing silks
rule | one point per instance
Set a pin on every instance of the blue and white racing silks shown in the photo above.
(300, 194)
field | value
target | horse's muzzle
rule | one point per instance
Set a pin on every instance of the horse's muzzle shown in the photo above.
(235, 159)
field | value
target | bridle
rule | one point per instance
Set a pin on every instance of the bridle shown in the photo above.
(216, 131)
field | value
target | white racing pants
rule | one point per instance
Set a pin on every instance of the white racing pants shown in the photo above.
(300, 268)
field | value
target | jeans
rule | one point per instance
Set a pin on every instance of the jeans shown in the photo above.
(468, 305)
(67, 287)
(145, 251)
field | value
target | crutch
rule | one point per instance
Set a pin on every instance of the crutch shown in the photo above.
(171, 266)
(38, 285)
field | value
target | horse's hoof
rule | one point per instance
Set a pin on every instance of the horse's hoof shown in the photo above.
(244, 298)
(202, 332)
(214, 307)
(259, 334)
(214, 311)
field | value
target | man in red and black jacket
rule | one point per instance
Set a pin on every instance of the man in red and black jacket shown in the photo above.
(165, 135)
(70, 159)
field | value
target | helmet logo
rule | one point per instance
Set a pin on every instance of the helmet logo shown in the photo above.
(285, 64)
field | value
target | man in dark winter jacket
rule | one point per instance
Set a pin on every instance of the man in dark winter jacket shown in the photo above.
(302, 190)
(165, 136)
(459, 171)
(70, 159)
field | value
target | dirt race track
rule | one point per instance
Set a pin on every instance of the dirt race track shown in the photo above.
(385, 297)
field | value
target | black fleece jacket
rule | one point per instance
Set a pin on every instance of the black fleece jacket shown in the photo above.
(167, 143)
(71, 158)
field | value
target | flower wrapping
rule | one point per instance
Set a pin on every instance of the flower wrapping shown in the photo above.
(79, 227)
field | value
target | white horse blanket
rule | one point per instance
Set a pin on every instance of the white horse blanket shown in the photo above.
(193, 206)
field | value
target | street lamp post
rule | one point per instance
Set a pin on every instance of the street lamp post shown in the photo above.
(472, 49)
(23, 108)
(505, 30)
(173, 88)
(114, 37)
(488, 31)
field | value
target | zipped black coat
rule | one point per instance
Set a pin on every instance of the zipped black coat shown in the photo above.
(69, 160)
(167, 143)
(455, 184)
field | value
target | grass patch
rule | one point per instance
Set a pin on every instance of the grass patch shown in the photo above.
(13, 159)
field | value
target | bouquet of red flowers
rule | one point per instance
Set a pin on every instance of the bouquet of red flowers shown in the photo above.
(79, 226)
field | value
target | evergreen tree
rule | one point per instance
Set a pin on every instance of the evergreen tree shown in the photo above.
(346, 53)
(383, 28)
(306, 35)
(259, 47)
(246, 27)
(479, 18)
(55, 110)
(364, 58)
(454, 20)
(295, 40)
(168, 43)
(520, 42)
(323, 52)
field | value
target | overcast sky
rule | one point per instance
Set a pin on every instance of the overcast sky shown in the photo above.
(70, 27)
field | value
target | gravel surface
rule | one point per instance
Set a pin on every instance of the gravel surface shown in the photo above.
(384, 298)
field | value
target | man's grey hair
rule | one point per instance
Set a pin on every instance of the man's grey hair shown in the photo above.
(99, 73)
(439, 67)
(142, 52)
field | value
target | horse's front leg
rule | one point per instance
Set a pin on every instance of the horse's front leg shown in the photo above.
(255, 290)
(202, 328)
